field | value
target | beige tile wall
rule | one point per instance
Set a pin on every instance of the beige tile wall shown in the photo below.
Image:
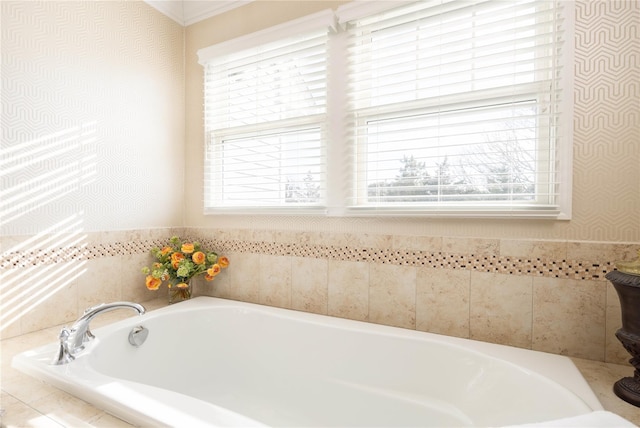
(544, 295)
(46, 280)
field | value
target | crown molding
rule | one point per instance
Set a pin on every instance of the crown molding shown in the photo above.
(187, 12)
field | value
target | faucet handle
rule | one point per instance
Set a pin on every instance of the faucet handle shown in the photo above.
(87, 336)
(63, 356)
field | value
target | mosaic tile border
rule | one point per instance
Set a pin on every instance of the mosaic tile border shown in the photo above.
(22, 259)
(568, 269)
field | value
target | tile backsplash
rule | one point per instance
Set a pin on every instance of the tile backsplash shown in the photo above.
(550, 296)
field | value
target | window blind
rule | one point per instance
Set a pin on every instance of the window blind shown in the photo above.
(455, 106)
(436, 107)
(265, 116)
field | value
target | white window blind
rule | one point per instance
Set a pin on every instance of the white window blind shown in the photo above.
(265, 118)
(436, 107)
(455, 106)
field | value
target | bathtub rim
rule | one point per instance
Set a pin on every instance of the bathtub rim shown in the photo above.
(555, 368)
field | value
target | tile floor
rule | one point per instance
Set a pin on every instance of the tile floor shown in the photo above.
(27, 402)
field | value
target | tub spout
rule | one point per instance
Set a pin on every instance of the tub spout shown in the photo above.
(80, 332)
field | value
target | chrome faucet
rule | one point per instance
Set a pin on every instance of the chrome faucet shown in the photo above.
(72, 340)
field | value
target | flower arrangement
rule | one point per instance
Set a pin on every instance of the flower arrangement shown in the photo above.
(177, 263)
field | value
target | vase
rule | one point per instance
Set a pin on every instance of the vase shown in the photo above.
(180, 293)
(628, 288)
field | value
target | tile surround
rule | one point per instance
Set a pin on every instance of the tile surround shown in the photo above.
(309, 285)
(274, 276)
(545, 295)
(570, 317)
(392, 291)
(348, 290)
(501, 308)
(442, 301)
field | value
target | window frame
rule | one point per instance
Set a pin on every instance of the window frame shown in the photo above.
(213, 148)
(214, 200)
(341, 165)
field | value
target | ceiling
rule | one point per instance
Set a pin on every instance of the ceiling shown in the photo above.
(187, 12)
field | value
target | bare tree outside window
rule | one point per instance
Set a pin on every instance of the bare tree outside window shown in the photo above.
(302, 191)
(502, 168)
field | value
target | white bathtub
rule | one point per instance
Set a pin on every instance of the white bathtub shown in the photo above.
(213, 362)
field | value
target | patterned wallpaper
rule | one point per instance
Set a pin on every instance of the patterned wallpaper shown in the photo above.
(607, 120)
(92, 116)
(93, 124)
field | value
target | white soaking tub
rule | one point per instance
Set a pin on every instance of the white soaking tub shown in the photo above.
(214, 362)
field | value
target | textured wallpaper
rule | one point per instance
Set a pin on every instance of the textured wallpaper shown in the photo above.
(92, 117)
(93, 124)
(607, 120)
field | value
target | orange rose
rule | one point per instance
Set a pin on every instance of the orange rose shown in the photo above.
(176, 258)
(165, 250)
(223, 262)
(214, 270)
(208, 277)
(182, 285)
(187, 248)
(198, 257)
(152, 283)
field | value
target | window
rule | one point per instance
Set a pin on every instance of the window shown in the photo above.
(429, 108)
(265, 118)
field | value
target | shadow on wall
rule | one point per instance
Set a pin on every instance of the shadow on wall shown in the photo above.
(31, 277)
(43, 186)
